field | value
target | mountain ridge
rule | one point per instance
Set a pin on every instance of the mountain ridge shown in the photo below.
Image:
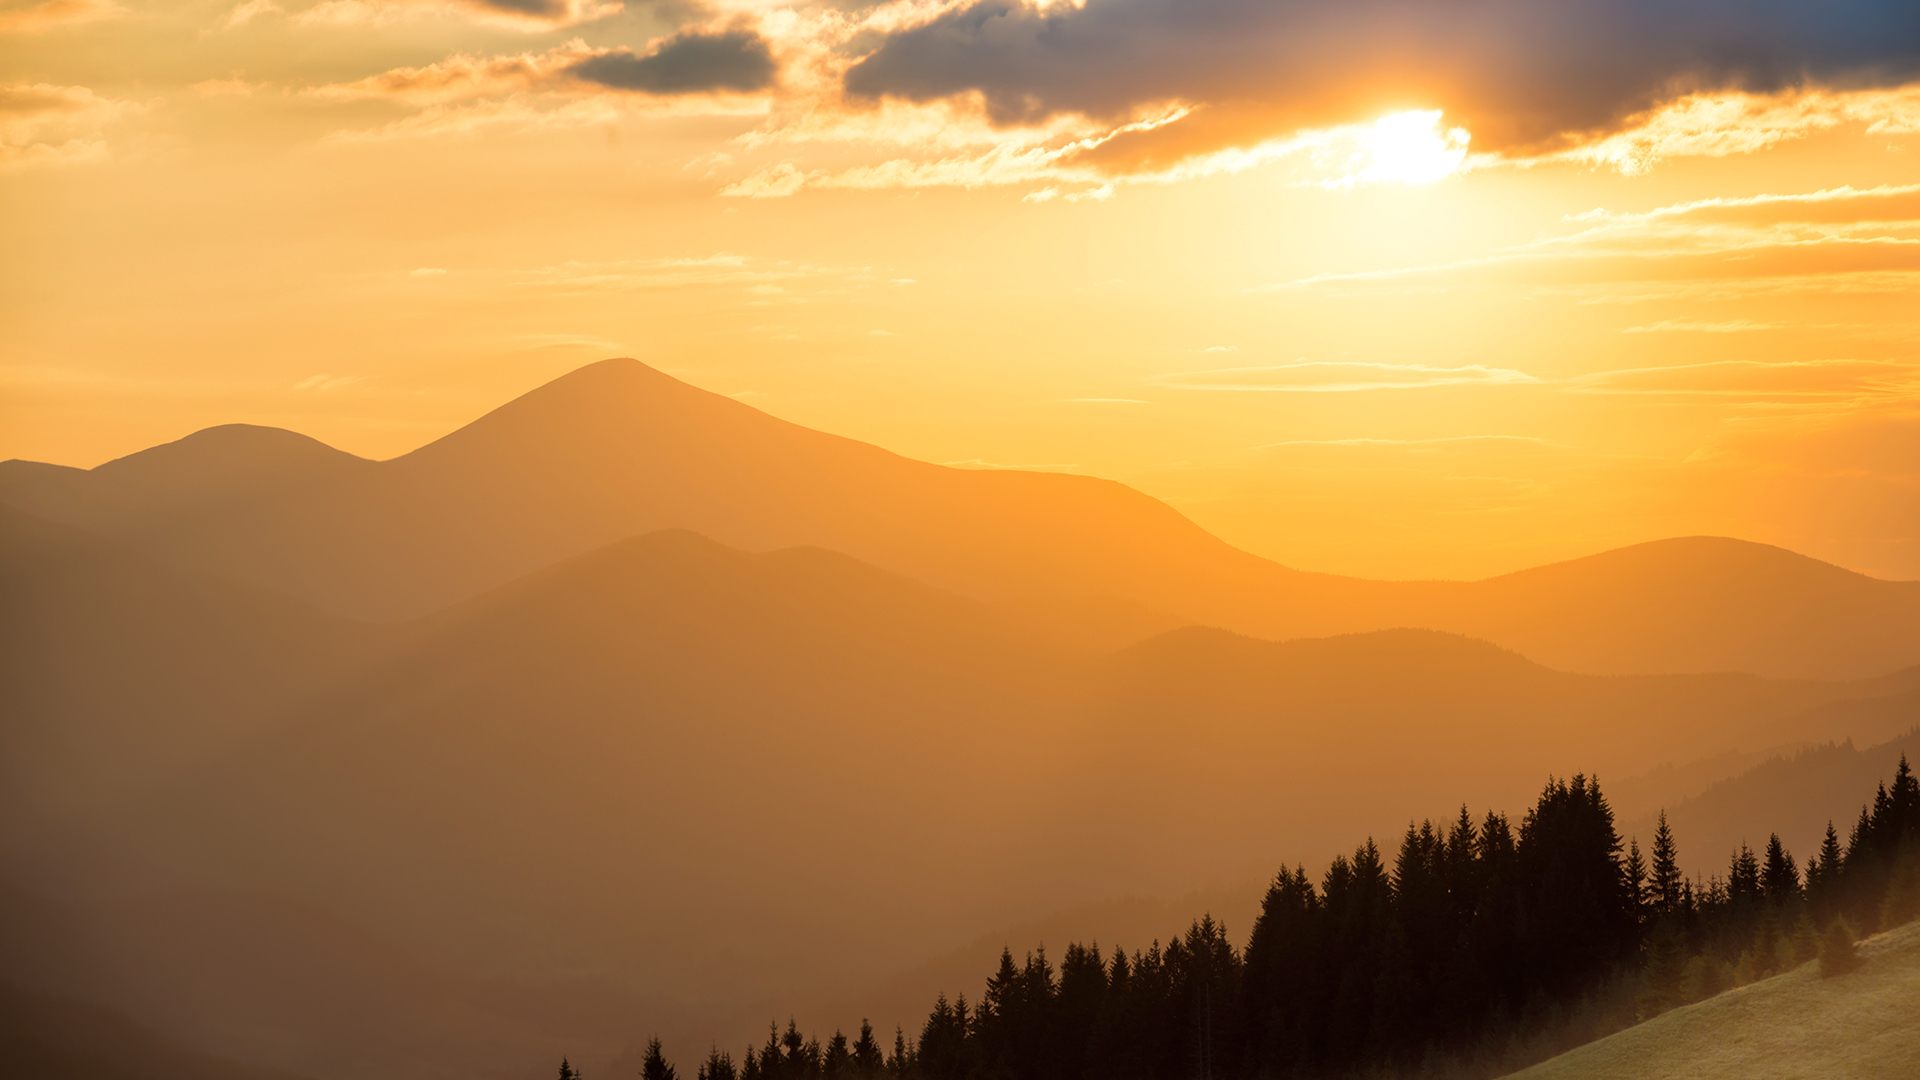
(618, 449)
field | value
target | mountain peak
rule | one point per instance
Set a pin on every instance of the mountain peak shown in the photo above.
(229, 450)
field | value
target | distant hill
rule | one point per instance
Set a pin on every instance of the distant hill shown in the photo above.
(117, 670)
(617, 449)
(705, 783)
(1794, 795)
(51, 1038)
(1862, 1026)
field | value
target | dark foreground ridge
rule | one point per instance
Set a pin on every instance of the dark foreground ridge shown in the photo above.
(1481, 949)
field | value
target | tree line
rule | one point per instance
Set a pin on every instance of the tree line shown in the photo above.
(1477, 947)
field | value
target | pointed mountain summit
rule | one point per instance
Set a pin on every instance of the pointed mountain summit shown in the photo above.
(618, 449)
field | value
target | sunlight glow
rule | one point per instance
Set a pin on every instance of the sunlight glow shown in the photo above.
(1410, 148)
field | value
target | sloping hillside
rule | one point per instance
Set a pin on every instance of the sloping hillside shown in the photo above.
(617, 449)
(1862, 1026)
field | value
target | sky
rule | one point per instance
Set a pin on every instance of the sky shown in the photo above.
(1386, 287)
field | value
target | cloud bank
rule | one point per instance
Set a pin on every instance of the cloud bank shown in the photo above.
(1523, 75)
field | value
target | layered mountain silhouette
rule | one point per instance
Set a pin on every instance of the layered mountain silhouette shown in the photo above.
(631, 709)
(702, 781)
(1796, 794)
(617, 449)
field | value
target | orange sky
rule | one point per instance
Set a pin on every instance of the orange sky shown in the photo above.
(1391, 347)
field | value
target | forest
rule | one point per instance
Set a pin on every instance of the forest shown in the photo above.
(1478, 947)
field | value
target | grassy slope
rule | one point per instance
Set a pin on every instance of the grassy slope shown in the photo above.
(1864, 1025)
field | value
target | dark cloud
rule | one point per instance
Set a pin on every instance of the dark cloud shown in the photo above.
(1520, 73)
(554, 10)
(687, 63)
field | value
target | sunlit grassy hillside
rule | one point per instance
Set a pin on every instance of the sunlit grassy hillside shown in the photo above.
(1864, 1025)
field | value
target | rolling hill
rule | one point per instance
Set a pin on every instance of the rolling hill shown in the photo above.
(617, 449)
(674, 784)
(1792, 794)
(1861, 1026)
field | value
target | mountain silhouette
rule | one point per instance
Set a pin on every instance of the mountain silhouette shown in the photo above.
(702, 780)
(617, 449)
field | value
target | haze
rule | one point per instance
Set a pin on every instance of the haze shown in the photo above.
(539, 529)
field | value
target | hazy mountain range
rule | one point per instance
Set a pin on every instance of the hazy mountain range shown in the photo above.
(628, 708)
(617, 449)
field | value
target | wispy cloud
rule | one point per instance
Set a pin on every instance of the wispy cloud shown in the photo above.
(530, 16)
(45, 124)
(1759, 380)
(1696, 326)
(1718, 125)
(1443, 441)
(1332, 376)
(56, 14)
(1836, 239)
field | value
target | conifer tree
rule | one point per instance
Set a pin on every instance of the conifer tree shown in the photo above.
(1780, 876)
(718, 1066)
(1743, 877)
(1665, 884)
(901, 1064)
(1636, 871)
(836, 1062)
(868, 1061)
(567, 1071)
(654, 1066)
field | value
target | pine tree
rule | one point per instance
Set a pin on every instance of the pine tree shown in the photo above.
(944, 1052)
(1666, 882)
(901, 1065)
(836, 1063)
(1780, 876)
(868, 1062)
(718, 1066)
(1743, 877)
(654, 1066)
(1636, 871)
(567, 1071)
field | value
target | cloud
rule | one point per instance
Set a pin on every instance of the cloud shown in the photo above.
(234, 87)
(56, 14)
(1695, 326)
(687, 63)
(772, 182)
(45, 124)
(1839, 240)
(687, 72)
(1760, 380)
(1717, 125)
(1330, 376)
(530, 16)
(1523, 75)
(1360, 442)
(242, 14)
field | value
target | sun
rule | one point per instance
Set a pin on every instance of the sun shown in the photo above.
(1409, 148)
